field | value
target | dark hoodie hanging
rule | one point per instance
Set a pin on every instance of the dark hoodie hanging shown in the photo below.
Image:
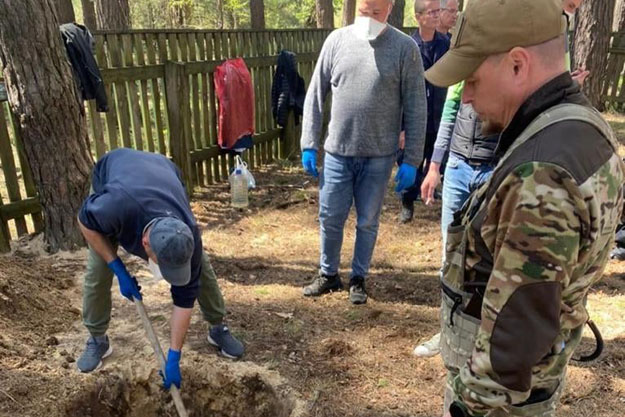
(288, 90)
(79, 46)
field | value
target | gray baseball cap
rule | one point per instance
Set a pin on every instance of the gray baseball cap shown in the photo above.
(173, 244)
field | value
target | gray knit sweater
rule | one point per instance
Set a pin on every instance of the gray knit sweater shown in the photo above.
(374, 84)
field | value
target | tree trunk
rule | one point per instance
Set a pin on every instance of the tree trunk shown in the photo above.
(51, 119)
(220, 14)
(397, 14)
(618, 23)
(229, 18)
(257, 13)
(88, 14)
(349, 12)
(113, 14)
(325, 14)
(591, 44)
(64, 11)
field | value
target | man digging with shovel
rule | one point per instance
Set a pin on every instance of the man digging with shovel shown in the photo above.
(139, 201)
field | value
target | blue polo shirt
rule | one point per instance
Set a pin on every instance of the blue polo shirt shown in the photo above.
(131, 188)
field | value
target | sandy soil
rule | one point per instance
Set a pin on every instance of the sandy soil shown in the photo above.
(315, 357)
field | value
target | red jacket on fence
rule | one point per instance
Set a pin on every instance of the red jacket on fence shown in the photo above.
(235, 92)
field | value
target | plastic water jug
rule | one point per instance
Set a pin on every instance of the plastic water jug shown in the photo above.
(238, 189)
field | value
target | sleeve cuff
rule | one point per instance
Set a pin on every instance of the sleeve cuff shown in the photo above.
(438, 156)
(185, 297)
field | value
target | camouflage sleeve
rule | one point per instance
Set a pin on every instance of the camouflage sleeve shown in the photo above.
(533, 222)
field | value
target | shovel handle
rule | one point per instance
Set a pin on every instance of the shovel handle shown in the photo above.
(149, 330)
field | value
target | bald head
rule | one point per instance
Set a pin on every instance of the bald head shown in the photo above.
(375, 9)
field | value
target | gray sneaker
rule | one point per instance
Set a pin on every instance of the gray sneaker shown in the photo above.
(429, 348)
(323, 284)
(97, 349)
(220, 336)
(357, 292)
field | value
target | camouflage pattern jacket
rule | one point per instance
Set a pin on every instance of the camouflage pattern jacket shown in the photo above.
(540, 240)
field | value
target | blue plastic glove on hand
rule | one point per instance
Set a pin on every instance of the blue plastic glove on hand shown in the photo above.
(172, 369)
(309, 161)
(405, 177)
(128, 285)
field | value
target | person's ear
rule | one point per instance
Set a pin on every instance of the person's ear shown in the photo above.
(518, 60)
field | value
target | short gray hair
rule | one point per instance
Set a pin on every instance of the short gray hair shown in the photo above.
(444, 3)
(419, 6)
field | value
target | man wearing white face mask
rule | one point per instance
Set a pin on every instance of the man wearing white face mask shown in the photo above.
(375, 74)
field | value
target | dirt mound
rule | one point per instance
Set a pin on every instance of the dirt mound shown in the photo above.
(39, 342)
(32, 303)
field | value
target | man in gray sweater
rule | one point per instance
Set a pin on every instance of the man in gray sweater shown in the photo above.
(375, 74)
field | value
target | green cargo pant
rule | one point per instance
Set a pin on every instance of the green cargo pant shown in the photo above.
(96, 299)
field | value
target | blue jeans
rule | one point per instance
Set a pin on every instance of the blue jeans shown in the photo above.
(461, 179)
(347, 180)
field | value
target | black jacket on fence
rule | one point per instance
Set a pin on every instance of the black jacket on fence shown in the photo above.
(288, 90)
(79, 46)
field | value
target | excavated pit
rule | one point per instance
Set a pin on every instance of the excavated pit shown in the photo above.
(220, 394)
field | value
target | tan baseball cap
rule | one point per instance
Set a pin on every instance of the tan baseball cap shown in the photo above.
(489, 27)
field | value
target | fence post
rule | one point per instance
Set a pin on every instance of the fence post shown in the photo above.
(5, 236)
(289, 138)
(177, 90)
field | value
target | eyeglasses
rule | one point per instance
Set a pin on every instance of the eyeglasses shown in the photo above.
(432, 13)
(451, 11)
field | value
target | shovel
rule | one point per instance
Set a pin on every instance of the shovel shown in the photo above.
(149, 330)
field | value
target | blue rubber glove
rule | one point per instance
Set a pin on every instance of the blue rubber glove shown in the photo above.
(405, 177)
(309, 161)
(172, 369)
(128, 285)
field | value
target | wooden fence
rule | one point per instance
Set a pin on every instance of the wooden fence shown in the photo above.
(613, 91)
(161, 96)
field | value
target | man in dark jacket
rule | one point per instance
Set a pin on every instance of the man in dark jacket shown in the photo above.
(139, 202)
(433, 46)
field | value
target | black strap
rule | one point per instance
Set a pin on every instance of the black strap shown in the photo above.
(598, 344)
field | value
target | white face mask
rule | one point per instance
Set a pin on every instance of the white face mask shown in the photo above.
(154, 269)
(368, 28)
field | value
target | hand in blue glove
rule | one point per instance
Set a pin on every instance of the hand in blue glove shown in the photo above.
(309, 161)
(128, 285)
(405, 177)
(172, 369)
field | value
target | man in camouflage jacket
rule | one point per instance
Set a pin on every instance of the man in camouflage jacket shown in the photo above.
(524, 251)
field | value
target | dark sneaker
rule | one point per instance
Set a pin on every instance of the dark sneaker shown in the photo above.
(407, 211)
(357, 292)
(323, 284)
(97, 349)
(220, 337)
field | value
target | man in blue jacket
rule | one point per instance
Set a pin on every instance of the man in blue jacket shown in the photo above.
(139, 202)
(433, 45)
